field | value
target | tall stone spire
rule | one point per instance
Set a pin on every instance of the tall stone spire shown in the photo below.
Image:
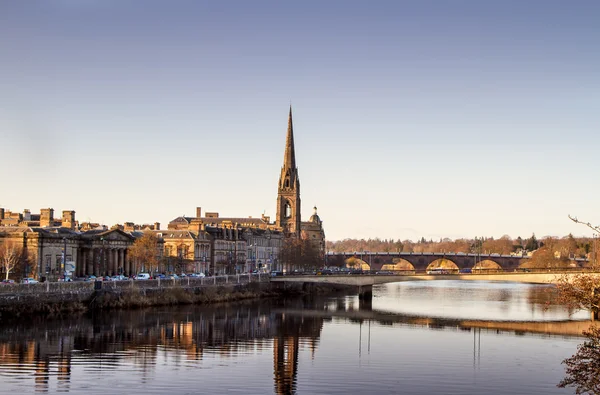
(289, 159)
(288, 191)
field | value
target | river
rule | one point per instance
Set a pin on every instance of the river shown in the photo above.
(439, 337)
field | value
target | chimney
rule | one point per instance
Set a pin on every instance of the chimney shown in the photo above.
(46, 217)
(26, 215)
(157, 226)
(68, 219)
(1, 213)
(198, 212)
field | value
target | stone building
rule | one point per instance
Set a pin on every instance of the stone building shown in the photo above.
(313, 231)
(264, 248)
(263, 237)
(229, 250)
(215, 220)
(288, 217)
(185, 251)
(44, 219)
(52, 252)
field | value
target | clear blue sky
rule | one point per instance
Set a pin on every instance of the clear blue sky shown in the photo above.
(421, 118)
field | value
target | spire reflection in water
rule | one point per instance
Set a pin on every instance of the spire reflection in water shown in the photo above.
(292, 346)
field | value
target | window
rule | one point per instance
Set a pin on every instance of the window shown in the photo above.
(288, 210)
(48, 259)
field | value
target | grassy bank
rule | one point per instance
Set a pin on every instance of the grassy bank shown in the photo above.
(49, 305)
(135, 298)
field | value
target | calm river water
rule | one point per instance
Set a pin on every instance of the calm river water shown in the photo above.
(442, 337)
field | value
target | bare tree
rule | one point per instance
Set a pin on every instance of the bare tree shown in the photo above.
(145, 251)
(589, 225)
(10, 256)
(596, 229)
(300, 254)
(583, 368)
(583, 291)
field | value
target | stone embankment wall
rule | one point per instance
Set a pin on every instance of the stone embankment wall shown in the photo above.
(50, 298)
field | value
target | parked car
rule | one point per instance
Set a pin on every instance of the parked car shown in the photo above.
(143, 276)
(118, 277)
(276, 273)
(29, 280)
(172, 277)
(7, 282)
(197, 275)
(91, 277)
(465, 270)
(438, 270)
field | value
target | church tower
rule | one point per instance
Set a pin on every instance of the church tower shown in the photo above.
(288, 192)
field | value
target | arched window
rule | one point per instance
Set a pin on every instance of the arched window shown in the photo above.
(288, 210)
(287, 182)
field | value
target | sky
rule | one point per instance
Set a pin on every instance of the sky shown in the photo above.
(411, 118)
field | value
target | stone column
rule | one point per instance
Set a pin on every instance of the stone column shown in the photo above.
(121, 265)
(126, 263)
(110, 261)
(81, 263)
(90, 262)
(97, 261)
(111, 266)
(115, 267)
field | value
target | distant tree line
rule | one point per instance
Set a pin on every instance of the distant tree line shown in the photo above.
(565, 247)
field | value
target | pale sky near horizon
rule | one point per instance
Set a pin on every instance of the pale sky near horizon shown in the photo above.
(412, 118)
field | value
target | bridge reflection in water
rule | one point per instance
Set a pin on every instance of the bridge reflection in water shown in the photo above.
(48, 351)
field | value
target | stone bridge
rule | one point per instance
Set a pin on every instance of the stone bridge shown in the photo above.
(421, 261)
(364, 283)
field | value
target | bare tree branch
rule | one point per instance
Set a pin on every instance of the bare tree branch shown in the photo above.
(592, 227)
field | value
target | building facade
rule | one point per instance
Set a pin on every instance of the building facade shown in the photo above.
(56, 252)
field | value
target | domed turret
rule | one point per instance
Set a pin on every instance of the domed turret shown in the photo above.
(315, 217)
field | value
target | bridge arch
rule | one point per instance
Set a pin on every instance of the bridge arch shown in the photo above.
(399, 264)
(356, 263)
(487, 265)
(443, 263)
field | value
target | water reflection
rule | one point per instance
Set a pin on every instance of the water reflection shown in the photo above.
(475, 300)
(102, 343)
(147, 348)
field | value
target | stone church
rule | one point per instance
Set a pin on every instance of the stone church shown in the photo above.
(288, 217)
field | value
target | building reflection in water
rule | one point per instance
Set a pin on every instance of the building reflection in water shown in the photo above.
(47, 350)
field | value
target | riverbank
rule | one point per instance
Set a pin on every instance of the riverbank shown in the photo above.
(57, 299)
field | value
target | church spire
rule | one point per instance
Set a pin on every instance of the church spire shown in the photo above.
(288, 193)
(289, 159)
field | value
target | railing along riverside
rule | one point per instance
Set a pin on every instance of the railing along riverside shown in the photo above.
(87, 286)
